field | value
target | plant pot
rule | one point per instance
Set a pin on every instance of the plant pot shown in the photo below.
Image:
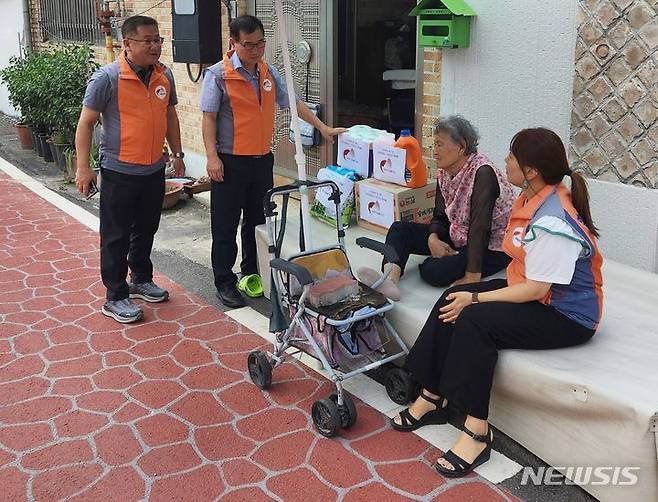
(53, 151)
(24, 136)
(36, 143)
(59, 155)
(45, 149)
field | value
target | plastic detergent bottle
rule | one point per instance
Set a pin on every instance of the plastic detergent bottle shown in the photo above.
(415, 169)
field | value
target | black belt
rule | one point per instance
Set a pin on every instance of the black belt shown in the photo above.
(245, 156)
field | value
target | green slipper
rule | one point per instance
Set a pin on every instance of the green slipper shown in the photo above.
(251, 285)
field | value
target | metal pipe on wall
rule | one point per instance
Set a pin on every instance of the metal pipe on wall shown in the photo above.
(27, 26)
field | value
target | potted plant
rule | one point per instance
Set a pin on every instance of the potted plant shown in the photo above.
(13, 76)
(70, 163)
(36, 82)
(70, 67)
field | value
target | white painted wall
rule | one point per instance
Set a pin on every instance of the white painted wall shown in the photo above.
(518, 73)
(11, 23)
(627, 218)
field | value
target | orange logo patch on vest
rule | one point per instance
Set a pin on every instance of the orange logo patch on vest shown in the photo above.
(267, 85)
(161, 92)
(517, 236)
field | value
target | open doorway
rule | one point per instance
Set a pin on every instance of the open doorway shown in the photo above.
(376, 64)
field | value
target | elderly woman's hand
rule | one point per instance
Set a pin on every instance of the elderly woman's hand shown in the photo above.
(459, 300)
(438, 248)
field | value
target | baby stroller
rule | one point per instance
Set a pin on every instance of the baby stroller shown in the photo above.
(347, 336)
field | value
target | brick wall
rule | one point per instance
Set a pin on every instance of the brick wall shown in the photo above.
(614, 127)
(431, 99)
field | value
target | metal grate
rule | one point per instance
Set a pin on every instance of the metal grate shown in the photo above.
(302, 23)
(70, 20)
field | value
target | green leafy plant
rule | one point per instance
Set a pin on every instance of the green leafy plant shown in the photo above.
(14, 76)
(48, 87)
(69, 158)
(70, 67)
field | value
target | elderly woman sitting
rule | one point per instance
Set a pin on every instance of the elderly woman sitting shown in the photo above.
(473, 199)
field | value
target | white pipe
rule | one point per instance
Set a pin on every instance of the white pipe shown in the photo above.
(300, 157)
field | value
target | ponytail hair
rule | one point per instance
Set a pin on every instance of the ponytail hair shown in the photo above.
(580, 200)
(543, 150)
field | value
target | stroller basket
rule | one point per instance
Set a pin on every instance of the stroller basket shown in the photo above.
(347, 331)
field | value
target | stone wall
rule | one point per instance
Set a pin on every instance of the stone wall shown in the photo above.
(614, 128)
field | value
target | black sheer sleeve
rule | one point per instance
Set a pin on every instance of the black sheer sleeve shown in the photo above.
(439, 224)
(483, 198)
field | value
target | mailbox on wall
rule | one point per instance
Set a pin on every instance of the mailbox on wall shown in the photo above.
(443, 23)
(197, 31)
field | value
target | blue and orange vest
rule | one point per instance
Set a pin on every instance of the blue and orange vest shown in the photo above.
(582, 299)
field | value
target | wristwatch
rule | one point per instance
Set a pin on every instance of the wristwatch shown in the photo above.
(474, 297)
(178, 155)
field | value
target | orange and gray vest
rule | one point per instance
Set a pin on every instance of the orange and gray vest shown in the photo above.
(134, 118)
(582, 299)
(251, 119)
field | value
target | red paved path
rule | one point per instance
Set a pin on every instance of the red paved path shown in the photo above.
(164, 409)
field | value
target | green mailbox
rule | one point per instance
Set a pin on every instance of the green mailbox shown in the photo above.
(443, 23)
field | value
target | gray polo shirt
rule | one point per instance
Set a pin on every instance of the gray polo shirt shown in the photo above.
(214, 98)
(101, 96)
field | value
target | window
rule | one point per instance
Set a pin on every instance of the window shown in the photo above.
(70, 20)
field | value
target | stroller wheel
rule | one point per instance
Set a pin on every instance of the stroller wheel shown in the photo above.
(260, 369)
(347, 410)
(326, 417)
(400, 386)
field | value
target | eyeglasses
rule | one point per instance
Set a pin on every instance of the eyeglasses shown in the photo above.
(253, 45)
(148, 41)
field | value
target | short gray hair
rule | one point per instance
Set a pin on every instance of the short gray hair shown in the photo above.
(460, 130)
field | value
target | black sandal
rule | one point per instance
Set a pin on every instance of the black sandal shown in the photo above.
(437, 416)
(460, 466)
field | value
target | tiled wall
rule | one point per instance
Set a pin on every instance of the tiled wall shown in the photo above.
(614, 127)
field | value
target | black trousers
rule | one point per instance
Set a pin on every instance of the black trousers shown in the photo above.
(458, 360)
(409, 238)
(129, 218)
(246, 180)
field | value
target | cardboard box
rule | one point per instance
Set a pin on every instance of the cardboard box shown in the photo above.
(389, 163)
(379, 204)
(356, 153)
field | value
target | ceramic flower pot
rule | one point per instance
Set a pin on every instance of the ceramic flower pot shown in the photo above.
(24, 136)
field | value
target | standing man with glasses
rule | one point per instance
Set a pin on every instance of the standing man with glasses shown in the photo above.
(135, 97)
(238, 101)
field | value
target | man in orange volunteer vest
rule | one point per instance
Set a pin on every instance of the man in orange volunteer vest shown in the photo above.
(135, 96)
(238, 101)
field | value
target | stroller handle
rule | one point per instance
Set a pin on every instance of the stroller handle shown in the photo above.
(296, 186)
(389, 253)
(302, 275)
